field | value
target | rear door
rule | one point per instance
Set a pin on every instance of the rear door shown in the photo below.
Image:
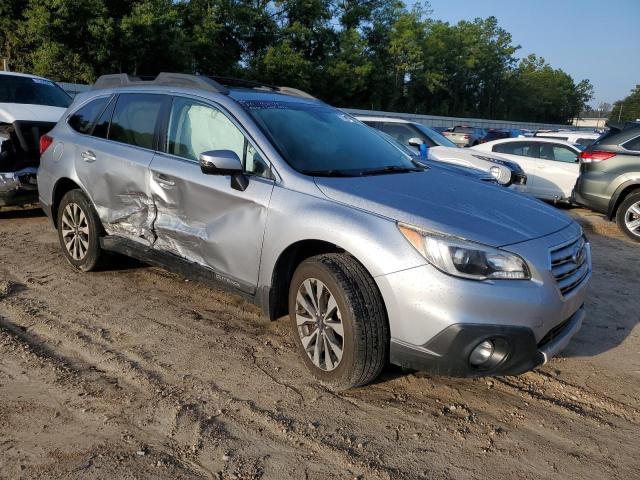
(113, 164)
(200, 217)
(557, 170)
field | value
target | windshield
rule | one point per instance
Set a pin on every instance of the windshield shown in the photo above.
(316, 139)
(437, 138)
(32, 91)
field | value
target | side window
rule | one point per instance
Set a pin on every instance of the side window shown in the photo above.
(134, 119)
(564, 154)
(82, 120)
(195, 128)
(633, 144)
(101, 130)
(523, 149)
(399, 131)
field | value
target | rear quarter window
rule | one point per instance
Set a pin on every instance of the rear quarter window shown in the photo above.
(633, 144)
(83, 119)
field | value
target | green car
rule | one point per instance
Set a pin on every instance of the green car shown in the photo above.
(609, 180)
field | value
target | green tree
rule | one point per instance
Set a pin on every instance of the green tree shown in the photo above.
(153, 39)
(628, 108)
(62, 39)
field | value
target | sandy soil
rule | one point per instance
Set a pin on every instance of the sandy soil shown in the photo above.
(136, 373)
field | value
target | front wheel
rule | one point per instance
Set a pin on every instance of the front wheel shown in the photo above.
(79, 230)
(628, 216)
(339, 320)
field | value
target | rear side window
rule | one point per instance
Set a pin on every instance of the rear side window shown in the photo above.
(400, 131)
(83, 120)
(135, 118)
(524, 149)
(633, 144)
(559, 153)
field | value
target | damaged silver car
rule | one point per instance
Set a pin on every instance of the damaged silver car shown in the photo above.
(306, 211)
(30, 106)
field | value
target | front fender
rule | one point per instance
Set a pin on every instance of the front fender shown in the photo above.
(373, 240)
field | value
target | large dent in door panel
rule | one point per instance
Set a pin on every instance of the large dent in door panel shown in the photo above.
(208, 243)
(131, 215)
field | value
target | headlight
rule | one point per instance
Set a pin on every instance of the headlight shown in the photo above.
(465, 259)
(495, 171)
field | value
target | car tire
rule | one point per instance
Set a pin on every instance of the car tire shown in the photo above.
(350, 321)
(79, 231)
(628, 212)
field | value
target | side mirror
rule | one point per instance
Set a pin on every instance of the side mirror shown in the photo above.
(220, 162)
(415, 142)
(224, 162)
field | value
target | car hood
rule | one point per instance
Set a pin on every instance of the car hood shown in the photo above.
(449, 203)
(10, 112)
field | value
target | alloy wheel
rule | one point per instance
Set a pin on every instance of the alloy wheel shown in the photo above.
(319, 324)
(632, 218)
(75, 231)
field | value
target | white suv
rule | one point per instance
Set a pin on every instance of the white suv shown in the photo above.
(30, 106)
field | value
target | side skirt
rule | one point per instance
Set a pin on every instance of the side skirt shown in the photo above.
(186, 268)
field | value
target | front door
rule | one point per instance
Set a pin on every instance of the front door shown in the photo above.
(200, 217)
(114, 160)
(557, 170)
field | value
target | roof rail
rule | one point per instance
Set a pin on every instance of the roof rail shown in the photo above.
(262, 86)
(163, 79)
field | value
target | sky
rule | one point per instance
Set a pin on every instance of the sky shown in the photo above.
(598, 40)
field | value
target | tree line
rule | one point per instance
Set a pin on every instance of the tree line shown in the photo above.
(373, 54)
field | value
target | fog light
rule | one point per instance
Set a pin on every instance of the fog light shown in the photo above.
(481, 353)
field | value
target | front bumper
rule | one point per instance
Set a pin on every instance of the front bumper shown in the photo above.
(448, 353)
(425, 304)
(18, 188)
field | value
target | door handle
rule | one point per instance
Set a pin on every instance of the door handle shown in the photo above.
(164, 181)
(88, 156)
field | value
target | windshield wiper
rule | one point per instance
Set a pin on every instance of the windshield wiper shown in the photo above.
(391, 169)
(330, 173)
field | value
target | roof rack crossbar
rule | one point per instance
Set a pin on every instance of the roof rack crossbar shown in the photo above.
(261, 85)
(164, 79)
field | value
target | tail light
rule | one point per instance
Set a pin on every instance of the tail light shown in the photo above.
(587, 156)
(45, 142)
(466, 137)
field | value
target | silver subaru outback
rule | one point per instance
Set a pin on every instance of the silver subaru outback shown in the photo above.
(301, 208)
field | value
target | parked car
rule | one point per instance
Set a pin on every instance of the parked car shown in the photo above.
(311, 214)
(551, 165)
(448, 167)
(495, 134)
(465, 136)
(441, 149)
(30, 106)
(579, 138)
(609, 179)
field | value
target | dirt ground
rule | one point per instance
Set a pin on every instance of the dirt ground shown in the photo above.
(136, 373)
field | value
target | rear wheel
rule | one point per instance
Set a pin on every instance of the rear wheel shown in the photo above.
(79, 231)
(628, 216)
(339, 320)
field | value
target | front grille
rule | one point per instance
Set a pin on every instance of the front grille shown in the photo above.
(553, 333)
(569, 264)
